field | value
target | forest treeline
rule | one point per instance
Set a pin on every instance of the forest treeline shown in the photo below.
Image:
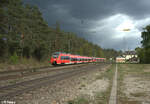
(24, 33)
(144, 51)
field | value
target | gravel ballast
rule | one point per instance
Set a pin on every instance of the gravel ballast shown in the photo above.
(68, 89)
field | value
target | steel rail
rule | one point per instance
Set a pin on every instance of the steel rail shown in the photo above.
(10, 91)
(29, 72)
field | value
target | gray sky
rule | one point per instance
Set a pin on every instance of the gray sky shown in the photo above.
(99, 21)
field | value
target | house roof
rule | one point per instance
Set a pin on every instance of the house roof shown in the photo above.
(129, 53)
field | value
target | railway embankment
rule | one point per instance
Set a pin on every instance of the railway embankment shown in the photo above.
(91, 83)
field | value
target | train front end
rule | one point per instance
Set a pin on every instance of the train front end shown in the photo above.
(55, 58)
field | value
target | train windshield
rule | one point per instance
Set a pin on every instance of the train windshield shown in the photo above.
(55, 56)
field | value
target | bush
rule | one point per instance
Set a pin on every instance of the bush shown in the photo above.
(80, 100)
(14, 58)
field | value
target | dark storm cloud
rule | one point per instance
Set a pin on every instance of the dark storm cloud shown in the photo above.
(96, 9)
(91, 9)
(138, 9)
(81, 15)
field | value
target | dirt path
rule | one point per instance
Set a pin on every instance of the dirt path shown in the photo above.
(113, 96)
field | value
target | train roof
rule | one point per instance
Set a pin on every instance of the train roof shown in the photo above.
(73, 55)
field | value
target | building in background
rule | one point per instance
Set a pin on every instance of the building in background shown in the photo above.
(120, 59)
(128, 57)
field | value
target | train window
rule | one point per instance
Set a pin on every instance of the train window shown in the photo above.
(62, 57)
(75, 59)
(67, 58)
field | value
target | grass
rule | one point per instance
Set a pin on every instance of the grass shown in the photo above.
(84, 78)
(98, 77)
(107, 74)
(79, 100)
(131, 70)
(14, 81)
(137, 70)
(103, 97)
(83, 85)
(138, 94)
(23, 64)
(123, 69)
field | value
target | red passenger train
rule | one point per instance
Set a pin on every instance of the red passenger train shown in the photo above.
(64, 58)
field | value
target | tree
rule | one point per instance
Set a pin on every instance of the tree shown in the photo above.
(144, 52)
(25, 33)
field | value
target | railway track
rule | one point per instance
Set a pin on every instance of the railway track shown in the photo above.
(10, 91)
(14, 74)
(23, 70)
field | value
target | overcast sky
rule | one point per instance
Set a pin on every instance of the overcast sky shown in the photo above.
(99, 21)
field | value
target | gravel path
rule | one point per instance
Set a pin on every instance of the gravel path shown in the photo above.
(113, 96)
